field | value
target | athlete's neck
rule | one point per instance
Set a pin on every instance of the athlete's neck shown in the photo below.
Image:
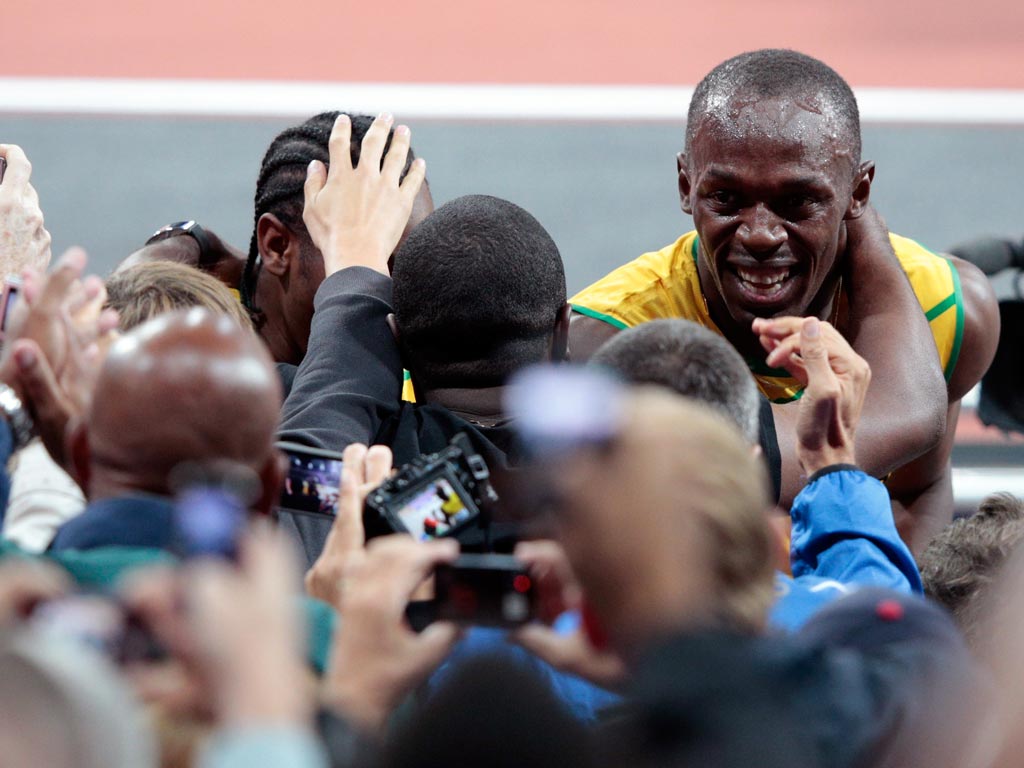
(273, 328)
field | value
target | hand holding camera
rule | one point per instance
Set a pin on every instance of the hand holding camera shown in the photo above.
(363, 469)
(377, 658)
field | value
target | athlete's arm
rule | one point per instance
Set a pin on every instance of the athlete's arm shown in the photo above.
(922, 491)
(586, 335)
(905, 412)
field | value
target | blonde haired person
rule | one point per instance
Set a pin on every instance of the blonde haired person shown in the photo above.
(149, 289)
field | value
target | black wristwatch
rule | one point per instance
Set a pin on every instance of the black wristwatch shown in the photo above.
(193, 230)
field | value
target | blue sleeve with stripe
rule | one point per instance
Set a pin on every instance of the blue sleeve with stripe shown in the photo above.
(843, 530)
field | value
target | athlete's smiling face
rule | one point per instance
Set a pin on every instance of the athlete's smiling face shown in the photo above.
(769, 184)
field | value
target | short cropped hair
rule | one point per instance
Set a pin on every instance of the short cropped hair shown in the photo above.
(691, 360)
(152, 288)
(960, 565)
(772, 73)
(478, 286)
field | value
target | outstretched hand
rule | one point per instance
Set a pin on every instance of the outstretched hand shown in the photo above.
(356, 216)
(836, 381)
(377, 659)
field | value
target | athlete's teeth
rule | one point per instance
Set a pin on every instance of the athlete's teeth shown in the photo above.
(759, 279)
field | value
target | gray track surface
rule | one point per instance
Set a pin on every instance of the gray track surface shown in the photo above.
(606, 192)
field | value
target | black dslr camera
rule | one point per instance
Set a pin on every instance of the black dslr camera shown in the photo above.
(437, 495)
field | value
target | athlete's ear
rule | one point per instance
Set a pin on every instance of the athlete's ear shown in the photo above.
(684, 184)
(862, 179)
(278, 245)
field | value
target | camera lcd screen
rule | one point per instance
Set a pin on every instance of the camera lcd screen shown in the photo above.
(434, 510)
(312, 483)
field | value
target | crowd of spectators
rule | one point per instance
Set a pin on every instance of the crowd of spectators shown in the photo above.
(702, 510)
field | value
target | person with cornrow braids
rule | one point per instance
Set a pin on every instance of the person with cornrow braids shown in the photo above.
(276, 282)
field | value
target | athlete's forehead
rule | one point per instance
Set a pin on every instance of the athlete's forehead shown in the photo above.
(804, 133)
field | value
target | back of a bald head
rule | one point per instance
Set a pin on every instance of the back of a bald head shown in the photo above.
(189, 385)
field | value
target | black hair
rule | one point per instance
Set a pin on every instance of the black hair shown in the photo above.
(279, 187)
(771, 73)
(690, 360)
(478, 286)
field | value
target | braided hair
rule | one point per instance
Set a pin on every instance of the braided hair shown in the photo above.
(279, 187)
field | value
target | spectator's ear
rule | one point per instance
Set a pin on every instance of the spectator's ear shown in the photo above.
(272, 475)
(277, 244)
(79, 454)
(560, 337)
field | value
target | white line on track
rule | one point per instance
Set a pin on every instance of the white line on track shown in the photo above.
(229, 98)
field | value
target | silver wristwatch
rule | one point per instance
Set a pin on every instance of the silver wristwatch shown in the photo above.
(22, 427)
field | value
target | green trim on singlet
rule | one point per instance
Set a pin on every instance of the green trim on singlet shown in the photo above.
(695, 248)
(406, 376)
(793, 399)
(600, 316)
(958, 339)
(942, 306)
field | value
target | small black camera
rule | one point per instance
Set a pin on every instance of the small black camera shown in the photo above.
(437, 495)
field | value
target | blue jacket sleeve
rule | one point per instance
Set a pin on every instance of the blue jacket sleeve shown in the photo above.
(350, 380)
(843, 531)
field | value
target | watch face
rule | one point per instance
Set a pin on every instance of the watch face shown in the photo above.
(171, 230)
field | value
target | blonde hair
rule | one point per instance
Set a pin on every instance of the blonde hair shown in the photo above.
(146, 290)
(710, 472)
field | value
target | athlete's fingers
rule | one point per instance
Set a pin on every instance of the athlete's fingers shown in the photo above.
(784, 349)
(776, 327)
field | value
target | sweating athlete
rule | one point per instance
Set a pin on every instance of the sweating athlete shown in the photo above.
(773, 177)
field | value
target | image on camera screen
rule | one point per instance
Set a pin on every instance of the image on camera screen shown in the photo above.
(434, 510)
(312, 484)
